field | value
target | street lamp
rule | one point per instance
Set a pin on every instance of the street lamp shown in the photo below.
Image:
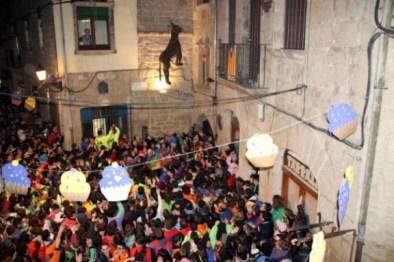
(41, 73)
(48, 80)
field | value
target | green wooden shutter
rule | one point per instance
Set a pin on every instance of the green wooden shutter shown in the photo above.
(93, 13)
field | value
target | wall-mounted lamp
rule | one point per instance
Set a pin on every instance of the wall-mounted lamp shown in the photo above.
(50, 80)
(41, 73)
(161, 86)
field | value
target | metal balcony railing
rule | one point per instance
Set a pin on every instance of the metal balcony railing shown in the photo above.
(240, 63)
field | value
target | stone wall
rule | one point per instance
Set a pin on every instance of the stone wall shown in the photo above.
(24, 77)
(155, 15)
(146, 108)
(334, 67)
(161, 113)
(379, 234)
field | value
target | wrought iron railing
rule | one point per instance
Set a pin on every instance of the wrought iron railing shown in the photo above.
(242, 64)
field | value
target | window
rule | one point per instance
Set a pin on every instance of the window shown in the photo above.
(14, 57)
(93, 24)
(144, 132)
(295, 22)
(26, 28)
(99, 124)
(94, 119)
(254, 35)
(231, 22)
(200, 2)
(40, 33)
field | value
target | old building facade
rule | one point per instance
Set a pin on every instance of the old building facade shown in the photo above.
(319, 50)
(237, 54)
(106, 56)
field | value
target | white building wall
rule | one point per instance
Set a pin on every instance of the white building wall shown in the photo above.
(125, 53)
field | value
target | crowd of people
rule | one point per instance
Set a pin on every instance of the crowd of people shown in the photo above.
(187, 202)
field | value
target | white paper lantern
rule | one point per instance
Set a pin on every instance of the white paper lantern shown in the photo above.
(261, 151)
(73, 186)
(318, 248)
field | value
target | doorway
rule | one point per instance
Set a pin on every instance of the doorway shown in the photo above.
(297, 181)
(101, 118)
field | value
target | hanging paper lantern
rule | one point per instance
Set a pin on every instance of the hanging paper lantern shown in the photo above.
(15, 178)
(318, 248)
(116, 183)
(342, 121)
(73, 186)
(16, 100)
(343, 200)
(349, 175)
(261, 151)
(30, 103)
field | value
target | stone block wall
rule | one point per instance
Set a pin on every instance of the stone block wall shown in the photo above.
(155, 15)
(334, 67)
(144, 108)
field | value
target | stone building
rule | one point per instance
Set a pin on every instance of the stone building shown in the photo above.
(315, 51)
(105, 54)
(237, 55)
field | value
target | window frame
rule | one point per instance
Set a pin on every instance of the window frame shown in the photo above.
(27, 34)
(103, 49)
(295, 22)
(202, 2)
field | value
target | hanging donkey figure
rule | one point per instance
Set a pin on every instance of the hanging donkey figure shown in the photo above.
(173, 49)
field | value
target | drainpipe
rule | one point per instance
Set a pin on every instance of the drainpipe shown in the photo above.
(373, 136)
(215, 95)
(66, 76)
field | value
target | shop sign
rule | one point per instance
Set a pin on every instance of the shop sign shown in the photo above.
(300, 170)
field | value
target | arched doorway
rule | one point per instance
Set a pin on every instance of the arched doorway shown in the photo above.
(204, 125)
(298, 181)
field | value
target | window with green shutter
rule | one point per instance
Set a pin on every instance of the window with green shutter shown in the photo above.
(93, 28)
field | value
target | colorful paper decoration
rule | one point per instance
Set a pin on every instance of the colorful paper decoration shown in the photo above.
(349, 175)
(30, 103)
(343, 200)
(342, 121)
(16, 100)
(231, 63)
(261, 151)
(15, 178)
(116, 183)
(318, 248)
(73, 186)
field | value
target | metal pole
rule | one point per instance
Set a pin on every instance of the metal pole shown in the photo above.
(215, 96)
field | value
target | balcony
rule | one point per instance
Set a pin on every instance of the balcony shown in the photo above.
(240, 63)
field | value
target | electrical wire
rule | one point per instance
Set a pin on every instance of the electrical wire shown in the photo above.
(161, 105)
(377, 21)
(184, 154)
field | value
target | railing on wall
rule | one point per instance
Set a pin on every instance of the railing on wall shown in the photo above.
(241, 63)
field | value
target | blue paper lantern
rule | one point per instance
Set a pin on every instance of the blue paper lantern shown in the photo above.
(343, 200)
(116, 183)
(342, 120)
(15, 178)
